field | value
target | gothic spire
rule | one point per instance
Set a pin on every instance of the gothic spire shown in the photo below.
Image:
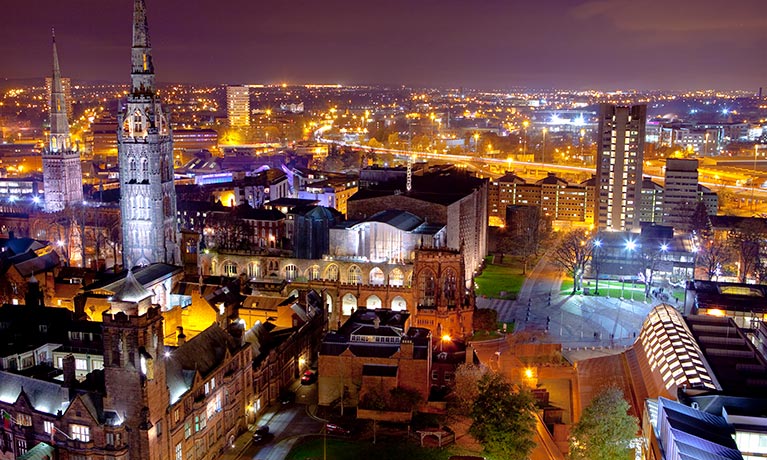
(142, 69)
(59, 139)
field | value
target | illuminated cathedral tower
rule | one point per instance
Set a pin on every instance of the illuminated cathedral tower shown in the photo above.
(62, 172)
(145, 150)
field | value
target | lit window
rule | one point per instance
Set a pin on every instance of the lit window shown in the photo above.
(80, 432)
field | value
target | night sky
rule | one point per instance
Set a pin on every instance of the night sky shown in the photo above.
(602, 44)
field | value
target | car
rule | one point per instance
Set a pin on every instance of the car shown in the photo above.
(262, 435)
(332, 428)
(308, 377)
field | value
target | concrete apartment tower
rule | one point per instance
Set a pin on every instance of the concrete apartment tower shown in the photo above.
(238, 106)
(62, 172)
(620, 149)
(145, 152)
(680, 193)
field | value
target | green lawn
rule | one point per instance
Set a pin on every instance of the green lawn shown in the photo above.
(384, 449)
(613, 289)
(497, 278)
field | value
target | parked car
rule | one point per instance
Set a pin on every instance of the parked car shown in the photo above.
(262, 435)
(309, 377)
(332, 428)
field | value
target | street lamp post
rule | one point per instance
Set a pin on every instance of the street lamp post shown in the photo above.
(543, 153)
(630, 246)
(597, 247)
(583, 133)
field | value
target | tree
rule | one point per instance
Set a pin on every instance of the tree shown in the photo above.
(650, 255)
(465, 388)
(605, 429)
(746, 240)
(485, 319)
(699, 222)
(504, 421)
(714, 254)
(523, 238)
(573, 254)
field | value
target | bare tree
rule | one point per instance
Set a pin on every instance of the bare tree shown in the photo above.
(573, 254)
(524, 238)
(650, 256)
(712, 255)
(746, 240)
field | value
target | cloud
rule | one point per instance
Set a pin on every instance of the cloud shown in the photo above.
(735, 17)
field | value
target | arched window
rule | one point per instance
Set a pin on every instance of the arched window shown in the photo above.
(398, 304)
(396, 277)
(449, 287)
(427, 288)
(291, 272)
(348, 304)
(313, 273)
(229, 268)
(373, 302)
(254, 270)
(355, 275)
(138, 123)
(377, 276)
(331, 272)
(132, 168)
(144, 169)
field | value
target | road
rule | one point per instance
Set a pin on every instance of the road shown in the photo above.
(288, 424)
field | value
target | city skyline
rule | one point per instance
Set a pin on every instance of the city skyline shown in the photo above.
(691, 45)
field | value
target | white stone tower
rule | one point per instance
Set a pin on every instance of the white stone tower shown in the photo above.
(145, 151)
(62, 172)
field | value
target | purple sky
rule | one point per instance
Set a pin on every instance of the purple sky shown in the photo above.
(604, 44)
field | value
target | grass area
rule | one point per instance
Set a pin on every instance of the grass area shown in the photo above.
(615, 289)
(498, 278)
(384, 449)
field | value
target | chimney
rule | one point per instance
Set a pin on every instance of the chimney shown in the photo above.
(180, 337)
(469, 355)
(70, 377)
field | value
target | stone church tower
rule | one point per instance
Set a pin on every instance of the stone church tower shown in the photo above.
(62, 172)
(134, 369)
(145, 151)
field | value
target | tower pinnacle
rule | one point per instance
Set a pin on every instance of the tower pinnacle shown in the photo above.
(142, 69)
(59, 139)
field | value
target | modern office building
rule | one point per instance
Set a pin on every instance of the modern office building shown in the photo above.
(620, 149)
(238, 106)
(680, 193)
(145, 151)
(62, 172)
(651, 202)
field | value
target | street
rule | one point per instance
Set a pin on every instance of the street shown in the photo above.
(287, 423)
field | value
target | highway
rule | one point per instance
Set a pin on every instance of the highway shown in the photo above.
(651, 172)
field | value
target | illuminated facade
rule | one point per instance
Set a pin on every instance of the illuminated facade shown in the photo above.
(669, 356)
(145, 150)
(620, 149)
(62, 172)
(680, 192)
(238, 106)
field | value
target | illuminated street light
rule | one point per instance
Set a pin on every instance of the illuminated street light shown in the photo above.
(597, 247)
(630, 247)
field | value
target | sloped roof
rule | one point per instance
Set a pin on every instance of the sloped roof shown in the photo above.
(44, 396)
(203, 354)
(131, 290)
(402, 220)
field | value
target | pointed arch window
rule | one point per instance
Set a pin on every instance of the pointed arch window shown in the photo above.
(132, 168)
(138, 123)
(54, 144)
(144, 169)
